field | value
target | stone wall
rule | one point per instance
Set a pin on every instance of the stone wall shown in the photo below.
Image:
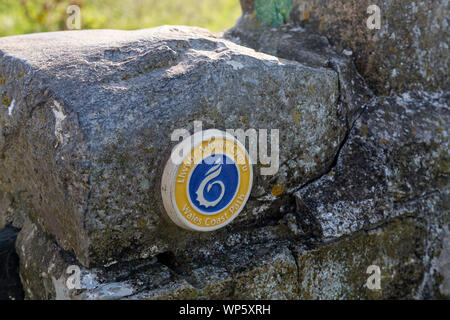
(409, 51)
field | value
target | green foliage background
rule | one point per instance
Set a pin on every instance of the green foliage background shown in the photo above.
(273, 12)
(27, 16)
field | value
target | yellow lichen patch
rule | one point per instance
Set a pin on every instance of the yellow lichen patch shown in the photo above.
(383, 140)
(277, 190)
(306, 14)
(20, 75)
(142, 223)
(150, 149)
(363, 130)
(296, 115)
(244, 119)
(2, 81)
(5, 100)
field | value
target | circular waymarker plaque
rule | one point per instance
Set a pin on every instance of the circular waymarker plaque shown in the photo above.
(206, 181)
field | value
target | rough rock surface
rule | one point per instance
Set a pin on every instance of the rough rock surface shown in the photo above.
(394, 167)
(295, 43)
(378, 196)
(384, 203)
(409, 51)
(87, 116)
(406, 250)
(397, 153)
(258, 271)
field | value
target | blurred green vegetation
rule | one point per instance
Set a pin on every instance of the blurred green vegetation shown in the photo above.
(27, 16)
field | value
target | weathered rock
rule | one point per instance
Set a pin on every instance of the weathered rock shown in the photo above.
(409, 51)
(87, 117)
(257, 272)
(384, 203)
(397, 151)
(374, 190)
(394, 164)
(441, 265)
(48, 272)
(310, 49)
(10, 285)
(409, 251)
(410, 244)
(407, 238)
(402, 249)
(265, 271)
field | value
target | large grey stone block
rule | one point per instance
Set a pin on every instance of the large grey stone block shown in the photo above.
(86, 119)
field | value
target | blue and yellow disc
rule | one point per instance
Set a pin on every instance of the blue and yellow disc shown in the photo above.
(209, 187)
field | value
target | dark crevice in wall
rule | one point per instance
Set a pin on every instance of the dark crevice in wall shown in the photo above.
(10, 285)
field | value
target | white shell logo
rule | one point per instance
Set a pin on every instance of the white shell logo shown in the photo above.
(212, 183)
(211, 174)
